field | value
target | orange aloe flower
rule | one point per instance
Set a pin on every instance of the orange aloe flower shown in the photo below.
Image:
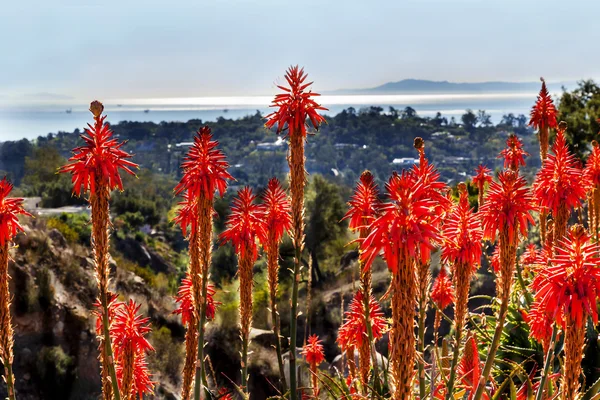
(560, 184)
(245, 226)
(408, 222)
(514, 154)
(568, 290)
(482, 176)
(314, 355)
(95, 167)
(128, 333)
(10, 209)
(278, 221)
(295, 109)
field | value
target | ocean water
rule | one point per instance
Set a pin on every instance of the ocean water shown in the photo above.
(31, 121)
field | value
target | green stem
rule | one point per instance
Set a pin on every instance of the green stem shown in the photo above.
(528, 298)
(275, 318)
(10, 384)
(293, 323)
(200, 357)
(452, 378)
(493, 348)
(371, 341)
(547, 363)
(109, 361)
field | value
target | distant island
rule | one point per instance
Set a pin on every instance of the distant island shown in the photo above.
(427, 86)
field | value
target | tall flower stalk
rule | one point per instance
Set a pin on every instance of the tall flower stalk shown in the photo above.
(560, 184)
(462, 250)
(567, 290)
(506, 214)
(442, 294)
(514, 154)
(543, 118)
(204, 173)
(408, 221)
(95, 169)
(278, 221)
(314, 356)
(10, 209)
(295, 108)
(481, 178)
(363, 208)
(245, 226)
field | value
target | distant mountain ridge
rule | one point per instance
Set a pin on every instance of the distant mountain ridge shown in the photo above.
(427, 86)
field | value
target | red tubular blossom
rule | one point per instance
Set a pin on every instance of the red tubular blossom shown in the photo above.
(99, 160)
(469, 368)
(354, 330)
(514, 154)
(406, 222)
(462, 235)
(570, 284)
(364, 205)
(128, 331)
(442, 292)
(186, 302)
(277, 208)
(540, 323)
(246, 223)
(313, 351)
(204, 167)
(508, 206)
(10, 209)
(295, 105)
(482, 176)
(543, 113)
(560, 181)
(591, 171)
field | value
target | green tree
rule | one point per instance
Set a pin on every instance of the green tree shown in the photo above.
(581, 110)
(469, 120)
(326, 209)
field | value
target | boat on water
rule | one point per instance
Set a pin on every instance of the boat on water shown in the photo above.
(146, 111)
(69, 110)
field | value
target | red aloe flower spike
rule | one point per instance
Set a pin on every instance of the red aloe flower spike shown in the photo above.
(245, 226)
(364, 204)
(560, 184)
(99, 160)
(540, 324)
(591, 174)
(10, 209)
(469, 369)
(277, 208)
(128, 332)
(113, 306)
(353, 332)
(508, 206)
(514, 154)
(295, 105)
(543, 117)
(186, 301)
(204, 167)
(314, 355)
(442, 292)
(482, 176)
(278, 221)
(224, 394)
(568, 290)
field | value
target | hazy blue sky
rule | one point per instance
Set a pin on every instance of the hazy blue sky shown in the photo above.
(126, 48)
